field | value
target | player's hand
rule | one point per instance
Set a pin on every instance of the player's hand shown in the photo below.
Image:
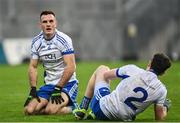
(167, 104)
(56, 95)
(32, 94)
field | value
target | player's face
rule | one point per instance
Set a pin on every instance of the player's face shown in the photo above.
(48, 25)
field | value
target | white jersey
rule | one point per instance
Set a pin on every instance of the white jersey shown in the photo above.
(51, 54)
(133, 94)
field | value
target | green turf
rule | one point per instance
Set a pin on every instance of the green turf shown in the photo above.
(14, 89)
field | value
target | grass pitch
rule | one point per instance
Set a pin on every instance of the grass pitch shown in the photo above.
(14, 88)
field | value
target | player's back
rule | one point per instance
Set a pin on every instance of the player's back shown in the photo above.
(132, 96)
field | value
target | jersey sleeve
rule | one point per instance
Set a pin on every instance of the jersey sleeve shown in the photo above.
(162, 97)
(68, 48)
(65, 44)
(128, 70)
(34, 50)
(121, 73)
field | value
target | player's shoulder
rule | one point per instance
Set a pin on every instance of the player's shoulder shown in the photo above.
(131, 66)
(162, 85)
(130, 70)
(62, 36)
(37, 38)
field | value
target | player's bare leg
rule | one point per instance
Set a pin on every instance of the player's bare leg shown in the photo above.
(53, 108)
(100, 74)
(65, 110)
(97, 76)
(34, 107)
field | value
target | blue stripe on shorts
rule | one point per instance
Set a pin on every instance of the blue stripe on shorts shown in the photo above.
(95, 103)
(71, 89)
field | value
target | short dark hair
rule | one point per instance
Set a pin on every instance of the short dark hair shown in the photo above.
(47, 12)
(160, 63)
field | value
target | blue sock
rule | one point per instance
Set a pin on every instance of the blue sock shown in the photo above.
(85, 102)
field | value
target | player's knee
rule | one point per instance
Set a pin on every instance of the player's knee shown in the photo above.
(102, 69)
(65, 110)
(29, 111)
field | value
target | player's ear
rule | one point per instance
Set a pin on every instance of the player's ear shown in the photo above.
(56, 23)
(148, 66)
(40, 25)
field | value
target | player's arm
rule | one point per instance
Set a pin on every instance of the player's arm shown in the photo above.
(111, 74)
(160, 112)
(32, 72)
(118, 72)
(70, 68)
(69, 61)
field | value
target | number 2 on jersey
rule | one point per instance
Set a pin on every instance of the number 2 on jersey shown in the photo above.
(129, 100)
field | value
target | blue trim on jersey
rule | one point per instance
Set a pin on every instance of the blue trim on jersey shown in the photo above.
(151, 70)
(117, 70)
(58, 36)
(68, 52)
(124, 76)
(36, 38)
(121, 76)
(49, 38)
(39, 35)
(39, 46)
(62, 41)
(101, 92)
